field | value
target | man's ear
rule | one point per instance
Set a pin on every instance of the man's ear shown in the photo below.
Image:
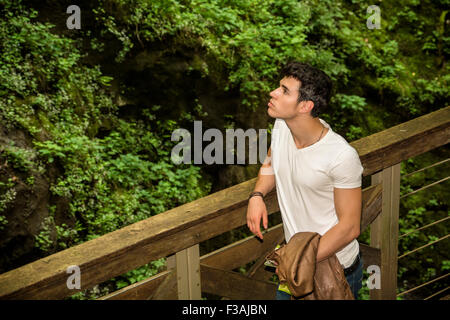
(306, 106)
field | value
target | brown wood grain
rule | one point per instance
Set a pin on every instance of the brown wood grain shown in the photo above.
(403, 141)
(370, 255)
(234, 285)
(371, 205)
(141, 290)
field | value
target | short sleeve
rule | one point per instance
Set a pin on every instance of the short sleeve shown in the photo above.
(346, 171)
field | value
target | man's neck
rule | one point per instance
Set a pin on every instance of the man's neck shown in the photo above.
(306, 130)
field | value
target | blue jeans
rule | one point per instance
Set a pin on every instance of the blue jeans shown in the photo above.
(354, 279)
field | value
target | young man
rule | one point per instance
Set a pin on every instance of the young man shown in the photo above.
(316, 172)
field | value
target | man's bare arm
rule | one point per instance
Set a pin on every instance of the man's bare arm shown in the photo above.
(266, 178)
(256, 209)
(348, 204)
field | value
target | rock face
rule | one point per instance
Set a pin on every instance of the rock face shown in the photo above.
(26, 208)
(28, 203)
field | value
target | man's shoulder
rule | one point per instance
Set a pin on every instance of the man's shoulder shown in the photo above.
(340, 143)
(339, 150)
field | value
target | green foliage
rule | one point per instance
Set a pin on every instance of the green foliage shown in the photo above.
(22, 159)
(349, 103)
(44, 239)
(243, 43)
(251, 39)
(141, 273)
(7, 196)
(3, 222)
(110, 181)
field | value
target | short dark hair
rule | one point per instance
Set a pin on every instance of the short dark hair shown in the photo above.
(315, 85)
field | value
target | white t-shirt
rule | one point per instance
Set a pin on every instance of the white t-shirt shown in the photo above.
(305, 179)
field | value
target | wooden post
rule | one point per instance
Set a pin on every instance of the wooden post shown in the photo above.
(188, 273)
(384, 232)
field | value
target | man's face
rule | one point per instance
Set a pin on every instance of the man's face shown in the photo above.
(284, 103)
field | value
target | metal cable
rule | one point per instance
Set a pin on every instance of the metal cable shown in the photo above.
(424, 246)
(435, 294)
(421, 228)
(425, 187)
(430, 166)
(422, 285)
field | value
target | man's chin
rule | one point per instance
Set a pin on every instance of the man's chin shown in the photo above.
(270, 113)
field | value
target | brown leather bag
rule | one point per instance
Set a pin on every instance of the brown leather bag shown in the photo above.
(306, 279)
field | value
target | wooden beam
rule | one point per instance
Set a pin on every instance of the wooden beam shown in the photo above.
(384, 232)
(406, 140)
(235, 285)
(141, 290)
(259, 263)
(168, 289)
(244, 251)
(370, 255)
(371, 205)
(188, 274)
(147, 289)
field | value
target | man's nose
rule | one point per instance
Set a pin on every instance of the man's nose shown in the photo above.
(274, 93)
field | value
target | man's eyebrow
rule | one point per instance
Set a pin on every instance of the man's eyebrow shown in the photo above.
(284, 86)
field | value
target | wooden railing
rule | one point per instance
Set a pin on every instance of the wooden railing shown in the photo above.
(176, 234)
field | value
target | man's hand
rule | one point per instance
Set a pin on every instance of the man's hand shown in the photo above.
(255, 211)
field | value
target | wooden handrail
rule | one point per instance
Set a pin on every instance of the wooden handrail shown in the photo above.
(406, 140)
(166, 233)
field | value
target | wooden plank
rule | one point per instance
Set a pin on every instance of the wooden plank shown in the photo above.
(244, 251)
(141, 290)
(371, 205)
(188, 274)
(384, 232)
(235, 285)
(406, 140)
(182, 275)
(264, 274)
(230, 257)
(178, 242)
(167, 290)
(371, 256)
(259, 263)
